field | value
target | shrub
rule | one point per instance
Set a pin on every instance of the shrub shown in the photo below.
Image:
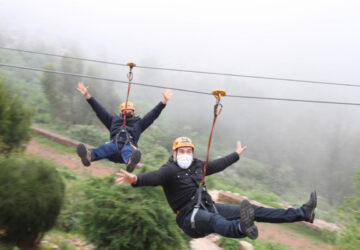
(31, 196)
(88, 134)
(15, 120)
(121, 217)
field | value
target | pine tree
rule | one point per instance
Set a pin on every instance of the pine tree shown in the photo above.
(50, 86)
(15, 120)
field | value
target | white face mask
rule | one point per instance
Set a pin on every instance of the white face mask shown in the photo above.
(184, 160)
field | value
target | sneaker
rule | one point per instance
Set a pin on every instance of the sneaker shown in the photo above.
(84, 154)
(247, 217)
(133, 161)
(309, 208)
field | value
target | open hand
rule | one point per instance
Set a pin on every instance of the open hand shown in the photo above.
(83, 90)
(239, 149)
(167, 95)
(125, 177)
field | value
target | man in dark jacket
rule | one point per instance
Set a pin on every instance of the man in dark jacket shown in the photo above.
(122, 146)
(180, 178)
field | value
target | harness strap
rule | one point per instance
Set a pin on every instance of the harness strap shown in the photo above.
(128, 138)
(199, 204)
(130, 77)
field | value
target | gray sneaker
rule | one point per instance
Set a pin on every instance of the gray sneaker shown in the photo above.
(247, 217)
(84, 154)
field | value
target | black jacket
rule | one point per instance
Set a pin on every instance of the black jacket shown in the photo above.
(134, 125)
(179, 184)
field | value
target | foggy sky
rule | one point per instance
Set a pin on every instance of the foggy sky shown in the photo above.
(310, 40)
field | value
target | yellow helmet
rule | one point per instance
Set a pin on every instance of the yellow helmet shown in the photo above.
(182, 142)
(130, 106)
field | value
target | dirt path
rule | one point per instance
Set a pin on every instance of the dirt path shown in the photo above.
(71, 161)
(278, 233)
(273, 232)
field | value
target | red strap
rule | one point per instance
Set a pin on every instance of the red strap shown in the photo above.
(130, 76)
(208, 149)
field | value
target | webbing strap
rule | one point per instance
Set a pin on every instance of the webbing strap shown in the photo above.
(199, 192)
(217, 111)
(201, 189)
(130, 77)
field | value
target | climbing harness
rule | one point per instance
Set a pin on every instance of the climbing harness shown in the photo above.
(218, 94)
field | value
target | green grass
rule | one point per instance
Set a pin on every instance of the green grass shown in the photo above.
(324, 236)
(68, 150)
(52, 144)
(232, 244)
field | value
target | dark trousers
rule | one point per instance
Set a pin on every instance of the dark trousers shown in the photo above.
(227, 221)
(110, 151)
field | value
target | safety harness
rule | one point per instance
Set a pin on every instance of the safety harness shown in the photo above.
(202, 187)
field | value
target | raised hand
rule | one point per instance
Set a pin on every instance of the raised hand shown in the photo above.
(83, 90)
(239, 149)
(167, 95)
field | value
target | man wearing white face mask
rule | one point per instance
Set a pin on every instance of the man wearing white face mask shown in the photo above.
(180, 178)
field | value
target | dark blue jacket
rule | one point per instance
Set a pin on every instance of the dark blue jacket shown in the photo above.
(134, 125)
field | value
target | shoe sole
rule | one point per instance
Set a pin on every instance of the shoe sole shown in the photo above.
(82, 153)
(312, 215)
(247, 216)
(133, 161)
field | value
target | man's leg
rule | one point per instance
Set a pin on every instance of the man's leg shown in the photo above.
(225, 222)
(262, 214)
(94, 154)
(278, 215)
(243, 214)
(131, 156)
(274, 215)
(207, 222)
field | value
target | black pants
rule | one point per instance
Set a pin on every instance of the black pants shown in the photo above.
(227, 221)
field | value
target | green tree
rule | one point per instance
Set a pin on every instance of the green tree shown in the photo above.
(50, 86)
(31, 196)
(15, 120)
(119, 217)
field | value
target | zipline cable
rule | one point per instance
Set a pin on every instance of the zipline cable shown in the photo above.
(177, 89)
(191, 71)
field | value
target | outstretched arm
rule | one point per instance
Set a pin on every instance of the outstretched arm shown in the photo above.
(222, 163)
(151, 116)
(153, 178)
(100, 111)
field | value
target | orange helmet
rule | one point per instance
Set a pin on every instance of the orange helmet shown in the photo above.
(182, 142)
(130, 106)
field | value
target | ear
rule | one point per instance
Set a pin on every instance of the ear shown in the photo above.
(174, 155)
